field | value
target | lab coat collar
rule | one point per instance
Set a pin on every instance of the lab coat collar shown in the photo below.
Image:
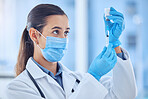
(35, 71)
(67, 78)
(38, 73)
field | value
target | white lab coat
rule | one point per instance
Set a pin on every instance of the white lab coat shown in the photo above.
(120, 86)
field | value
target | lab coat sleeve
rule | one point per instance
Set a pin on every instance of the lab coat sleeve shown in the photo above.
(122, 85)
(19, 90)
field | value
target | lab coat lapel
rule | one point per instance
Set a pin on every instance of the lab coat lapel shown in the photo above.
(52, 81)
(68, 82)
(34, 70)
(37, 73)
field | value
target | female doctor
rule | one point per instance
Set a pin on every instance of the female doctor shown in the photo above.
(41, 75)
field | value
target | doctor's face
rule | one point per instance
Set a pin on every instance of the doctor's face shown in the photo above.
(56, 26)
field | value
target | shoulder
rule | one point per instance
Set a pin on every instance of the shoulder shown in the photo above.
(20, 83)
(22, 78)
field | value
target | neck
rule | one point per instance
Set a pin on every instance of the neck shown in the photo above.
(51, 66)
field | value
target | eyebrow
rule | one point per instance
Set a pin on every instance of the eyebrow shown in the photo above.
(56, 27)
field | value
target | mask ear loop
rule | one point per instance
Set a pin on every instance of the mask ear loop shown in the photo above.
(41, 35)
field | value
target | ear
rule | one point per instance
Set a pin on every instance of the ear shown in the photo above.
(34, 35)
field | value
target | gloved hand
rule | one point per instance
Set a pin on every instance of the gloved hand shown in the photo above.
(115, 28)
(103, 63)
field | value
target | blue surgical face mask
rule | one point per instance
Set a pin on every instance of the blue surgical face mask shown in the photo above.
(54, 49)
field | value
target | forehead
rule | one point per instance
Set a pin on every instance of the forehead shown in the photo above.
(57, 20)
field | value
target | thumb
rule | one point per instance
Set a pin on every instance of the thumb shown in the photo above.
(110, 45)
(102, 53)
(112, 9)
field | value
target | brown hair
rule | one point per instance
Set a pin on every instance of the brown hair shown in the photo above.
(36, 19)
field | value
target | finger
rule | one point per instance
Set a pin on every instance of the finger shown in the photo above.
(106, 21)
(102, 53)
(118, 21)
(114, 18)
(104, 17)
(108, 24)
(116, 26)
(115, 31)
(104, 49)
(112, 9)
(112, 55)
(108, 51)
(114, 58)
(115, 13)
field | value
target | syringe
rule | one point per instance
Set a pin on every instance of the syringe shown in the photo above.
(106, 11)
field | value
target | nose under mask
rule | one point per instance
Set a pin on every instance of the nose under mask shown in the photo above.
(55, 48)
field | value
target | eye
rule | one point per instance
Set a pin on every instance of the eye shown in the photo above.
(55, 32)
(66, 33)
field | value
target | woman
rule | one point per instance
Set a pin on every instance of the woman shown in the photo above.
(41, 75)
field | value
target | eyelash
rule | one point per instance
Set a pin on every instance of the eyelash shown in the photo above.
(67, 32)
(57, 32)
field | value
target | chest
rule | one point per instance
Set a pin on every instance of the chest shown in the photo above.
(87, 88)
(53, 90)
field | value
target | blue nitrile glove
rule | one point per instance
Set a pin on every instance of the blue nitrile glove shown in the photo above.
(115, 28)
(103, 63)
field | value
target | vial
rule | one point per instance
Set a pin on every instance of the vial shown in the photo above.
(106, 11)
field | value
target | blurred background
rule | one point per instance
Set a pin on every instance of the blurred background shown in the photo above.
(86, 38)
